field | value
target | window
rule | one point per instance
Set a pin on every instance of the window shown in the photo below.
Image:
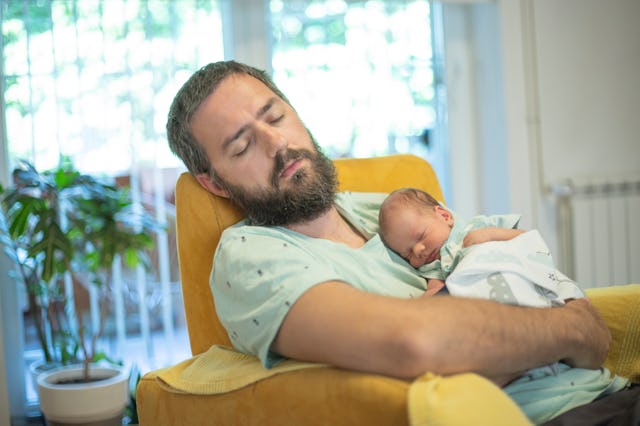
(362, 74)
(93, 80)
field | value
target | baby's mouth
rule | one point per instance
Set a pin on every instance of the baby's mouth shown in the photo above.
(433, 256)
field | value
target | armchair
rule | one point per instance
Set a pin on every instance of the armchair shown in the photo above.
(327, 395)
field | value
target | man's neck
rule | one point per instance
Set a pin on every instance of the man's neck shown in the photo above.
(330, 225)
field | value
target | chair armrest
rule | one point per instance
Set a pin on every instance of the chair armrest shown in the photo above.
(315, 396)
(321, 396)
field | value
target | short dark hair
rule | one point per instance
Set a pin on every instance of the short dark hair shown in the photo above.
(189, 98)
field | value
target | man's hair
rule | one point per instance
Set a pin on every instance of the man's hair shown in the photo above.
(189, 98)
(405, 196)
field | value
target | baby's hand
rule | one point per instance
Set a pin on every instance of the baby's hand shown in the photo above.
(490, 233)
(433, 286)
(478, 236)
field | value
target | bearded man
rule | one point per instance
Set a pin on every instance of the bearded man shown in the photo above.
(306, 275)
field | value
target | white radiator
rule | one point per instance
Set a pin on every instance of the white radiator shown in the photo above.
(599, 231)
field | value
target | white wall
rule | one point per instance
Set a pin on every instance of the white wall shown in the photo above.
(247, 32)
(10, 351)
(460, 81)
(588, 57)
(476, 119)
(4, 396)
(572, 96)
(539, 91)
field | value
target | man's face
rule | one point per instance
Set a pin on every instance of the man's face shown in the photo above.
(264, 158)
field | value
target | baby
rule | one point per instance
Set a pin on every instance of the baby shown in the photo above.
(428, 236)
(510, 266)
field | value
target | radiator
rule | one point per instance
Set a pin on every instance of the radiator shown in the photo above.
(599, 231)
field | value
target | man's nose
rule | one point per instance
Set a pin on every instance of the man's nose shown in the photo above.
(271, 139)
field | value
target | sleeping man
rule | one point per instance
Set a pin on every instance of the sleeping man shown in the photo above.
(306, 275)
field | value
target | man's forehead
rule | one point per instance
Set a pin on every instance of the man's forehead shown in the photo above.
(233, 89)
(236, 100)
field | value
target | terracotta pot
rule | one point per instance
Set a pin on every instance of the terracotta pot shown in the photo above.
(99, 402)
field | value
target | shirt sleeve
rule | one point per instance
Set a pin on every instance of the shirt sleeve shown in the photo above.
(507, 221)
(258, 274)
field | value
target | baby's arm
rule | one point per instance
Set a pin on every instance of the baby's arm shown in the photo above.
(482, 235)
(433, 286)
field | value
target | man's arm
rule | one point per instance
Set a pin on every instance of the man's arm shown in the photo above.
(337, 324)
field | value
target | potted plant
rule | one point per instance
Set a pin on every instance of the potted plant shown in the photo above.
(64, 230)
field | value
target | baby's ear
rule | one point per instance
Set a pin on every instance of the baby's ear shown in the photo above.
(445, 214)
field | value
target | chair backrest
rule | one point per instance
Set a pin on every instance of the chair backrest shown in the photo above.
(201, 217)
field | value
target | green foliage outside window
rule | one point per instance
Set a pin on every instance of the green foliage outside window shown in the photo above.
(93, 79)
(360, 73)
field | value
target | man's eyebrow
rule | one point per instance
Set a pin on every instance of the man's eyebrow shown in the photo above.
(262, 111)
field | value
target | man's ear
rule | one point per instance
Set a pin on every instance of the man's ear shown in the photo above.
(207, 182)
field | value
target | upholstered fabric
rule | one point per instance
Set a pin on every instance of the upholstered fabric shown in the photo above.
(620, 307)
(320, 396)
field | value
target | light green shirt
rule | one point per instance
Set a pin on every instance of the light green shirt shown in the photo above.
(260, 272)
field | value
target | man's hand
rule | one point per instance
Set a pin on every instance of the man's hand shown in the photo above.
(490, 233)
(593, 338)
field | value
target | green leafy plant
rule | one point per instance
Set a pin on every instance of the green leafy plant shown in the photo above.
(63, 225)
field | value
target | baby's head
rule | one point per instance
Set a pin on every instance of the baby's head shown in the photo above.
(414, 225)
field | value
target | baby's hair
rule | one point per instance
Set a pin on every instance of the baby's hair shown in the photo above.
(412, 196)
(405, 196)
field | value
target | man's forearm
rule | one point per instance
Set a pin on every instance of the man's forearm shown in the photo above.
(337, 324)
(498, 340)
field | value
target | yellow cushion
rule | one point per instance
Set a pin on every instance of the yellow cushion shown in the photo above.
(462, 399)
(620, 308)
(331, 396)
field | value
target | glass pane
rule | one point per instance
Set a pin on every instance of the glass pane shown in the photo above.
(360, 73)
(107, 70)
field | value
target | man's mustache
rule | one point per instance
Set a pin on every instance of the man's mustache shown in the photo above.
(281, 160)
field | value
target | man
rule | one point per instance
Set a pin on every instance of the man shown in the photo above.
(336, 295)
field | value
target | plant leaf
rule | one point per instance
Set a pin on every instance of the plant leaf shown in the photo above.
(53, 241)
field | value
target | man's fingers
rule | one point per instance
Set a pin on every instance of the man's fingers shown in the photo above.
(593, 335)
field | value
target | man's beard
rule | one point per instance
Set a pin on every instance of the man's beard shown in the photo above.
(310, 191)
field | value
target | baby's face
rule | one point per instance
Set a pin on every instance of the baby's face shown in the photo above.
(418, 233)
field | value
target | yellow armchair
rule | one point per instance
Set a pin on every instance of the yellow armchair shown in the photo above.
(326, 395)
